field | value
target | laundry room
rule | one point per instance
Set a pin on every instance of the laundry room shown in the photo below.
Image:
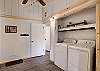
(76, 40)
(49, 35)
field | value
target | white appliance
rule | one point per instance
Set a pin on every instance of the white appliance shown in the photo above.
(80, 56)
(61, 53)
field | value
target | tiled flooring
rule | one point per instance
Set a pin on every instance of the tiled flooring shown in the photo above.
(33, 64)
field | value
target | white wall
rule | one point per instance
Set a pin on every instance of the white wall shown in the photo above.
(81, 34)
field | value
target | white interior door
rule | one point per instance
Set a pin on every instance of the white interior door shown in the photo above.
(37, 48)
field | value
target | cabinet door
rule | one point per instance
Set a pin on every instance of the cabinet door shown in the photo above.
(21, 8)
(28, 9)
(8, 7)
(36, 10)
(15, 7)
(1, 7)
(40, 12)
(73, 3)
(59, 5)
(48, 10)
(45, 9)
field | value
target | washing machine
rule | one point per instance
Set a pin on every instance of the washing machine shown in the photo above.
(60, 55)
(80, 56)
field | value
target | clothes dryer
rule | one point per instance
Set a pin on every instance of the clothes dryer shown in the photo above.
(80, 56)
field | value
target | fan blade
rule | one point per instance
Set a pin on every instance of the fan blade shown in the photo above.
(24, 1)
(41, 2)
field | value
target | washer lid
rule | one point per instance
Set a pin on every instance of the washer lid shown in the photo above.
(86, 43)
(68, 41)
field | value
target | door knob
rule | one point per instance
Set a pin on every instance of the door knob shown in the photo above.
(32, 41)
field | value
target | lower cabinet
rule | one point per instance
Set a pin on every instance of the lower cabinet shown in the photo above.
(61, 56)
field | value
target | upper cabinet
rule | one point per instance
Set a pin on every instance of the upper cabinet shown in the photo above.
(73, 3)
(40, 13)
(59, 5)
(28, 9)
(8, 7)
(1, 7)
(54, 7)
(49, 9)
(21, 8)
(15, 7)
(37, 10)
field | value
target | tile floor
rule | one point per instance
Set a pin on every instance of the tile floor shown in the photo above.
(33, 64)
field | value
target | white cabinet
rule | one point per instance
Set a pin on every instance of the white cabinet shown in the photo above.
(8, 7)
(59, 5)
(49, 9)
(1, 7)
(15, 7)
(54, 7)
(21, 8)
(28, 9)
(40, 12)
(37, 10)
(73, 3)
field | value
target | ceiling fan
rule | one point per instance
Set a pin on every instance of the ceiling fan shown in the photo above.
(40, 1)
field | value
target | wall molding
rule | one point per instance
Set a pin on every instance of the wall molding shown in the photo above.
(20, 17)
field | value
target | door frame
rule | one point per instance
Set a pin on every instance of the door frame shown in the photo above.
(97, 35)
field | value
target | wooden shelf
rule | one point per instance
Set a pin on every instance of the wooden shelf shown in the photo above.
(64, 13)
(78, 27)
